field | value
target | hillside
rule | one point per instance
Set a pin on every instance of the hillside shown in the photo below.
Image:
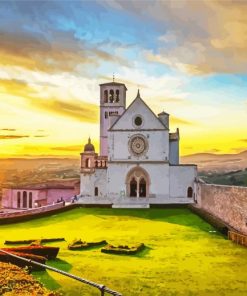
(217, 162)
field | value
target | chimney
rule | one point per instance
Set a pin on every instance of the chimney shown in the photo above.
(164, 118)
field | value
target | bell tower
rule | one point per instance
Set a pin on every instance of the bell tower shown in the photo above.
(112, 103)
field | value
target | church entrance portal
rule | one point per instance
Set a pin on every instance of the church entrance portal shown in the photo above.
(137, 183)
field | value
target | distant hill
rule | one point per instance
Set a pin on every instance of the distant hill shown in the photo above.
(236, 178)
(37, 163)
(217, 162)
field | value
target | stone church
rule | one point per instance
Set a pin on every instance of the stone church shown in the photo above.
(138, 161)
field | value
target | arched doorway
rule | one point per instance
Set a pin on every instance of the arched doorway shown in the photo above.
(137, 183)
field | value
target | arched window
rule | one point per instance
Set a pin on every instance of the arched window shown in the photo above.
(117, 95)
(106, 96)
(30, 200)
(18, 199)
(190, 192)
(24, 199)
(142, 188)
(111, 96)
(87, 163)
(106, 114)
(133, 187)
(96, 191)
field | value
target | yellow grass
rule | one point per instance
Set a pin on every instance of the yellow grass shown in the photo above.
(184, 255)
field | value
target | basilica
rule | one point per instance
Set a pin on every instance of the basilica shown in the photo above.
(138, 162)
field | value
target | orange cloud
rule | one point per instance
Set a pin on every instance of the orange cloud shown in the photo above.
(13, 137)
(8, 129)
(64, 54)
(68, 148)
(76, 109)
(213, 37)
(180, 121)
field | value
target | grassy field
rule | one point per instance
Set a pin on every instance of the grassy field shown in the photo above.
(184, 255)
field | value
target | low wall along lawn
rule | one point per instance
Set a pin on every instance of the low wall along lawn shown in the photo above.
(228, 203)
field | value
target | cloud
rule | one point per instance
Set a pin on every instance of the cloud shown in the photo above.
(65, 53)
(172, 100)
(8, 129)
(13, 137)
(243, 140)
(40, 136)
(75, 109)
(81, 111)
(197, 37)
(68, 148)
(175, 120)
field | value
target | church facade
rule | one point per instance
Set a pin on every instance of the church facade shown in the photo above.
(138, 162)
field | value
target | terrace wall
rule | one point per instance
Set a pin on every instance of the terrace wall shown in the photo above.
(229, 203)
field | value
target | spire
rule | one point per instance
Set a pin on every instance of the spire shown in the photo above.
(138, 94)
(89, 140)
(113, 77)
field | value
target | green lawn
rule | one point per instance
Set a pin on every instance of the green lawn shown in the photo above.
(184, 255)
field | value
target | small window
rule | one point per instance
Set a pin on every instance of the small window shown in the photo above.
(117, 95)
(190, 192)
(106, 115)
(24, 201)
(18, 199)
(138, 121)
(30, 200)
(96, 191)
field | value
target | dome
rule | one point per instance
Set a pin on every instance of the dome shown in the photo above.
(89, 147)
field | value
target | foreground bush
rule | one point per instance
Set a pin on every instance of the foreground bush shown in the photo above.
(123, 250)
(16, 281)
(78, 244)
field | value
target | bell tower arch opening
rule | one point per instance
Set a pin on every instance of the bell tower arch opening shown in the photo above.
(137, 183)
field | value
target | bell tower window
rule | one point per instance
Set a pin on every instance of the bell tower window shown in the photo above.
(117, 95)
(111, 96)
(87, 163)
(106, 96)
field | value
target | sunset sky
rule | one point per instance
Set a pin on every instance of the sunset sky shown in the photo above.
(189, 58)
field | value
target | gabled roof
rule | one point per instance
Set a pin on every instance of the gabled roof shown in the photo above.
(138, 97)
(113, 83)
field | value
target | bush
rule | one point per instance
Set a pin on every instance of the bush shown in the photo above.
(123, 249)
(78, 244)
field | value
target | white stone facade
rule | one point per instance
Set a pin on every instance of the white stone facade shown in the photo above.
(139, 157)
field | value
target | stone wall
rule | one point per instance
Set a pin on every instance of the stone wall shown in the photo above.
(228, 203)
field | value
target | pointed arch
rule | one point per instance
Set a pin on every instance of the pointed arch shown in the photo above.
(137, 180)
